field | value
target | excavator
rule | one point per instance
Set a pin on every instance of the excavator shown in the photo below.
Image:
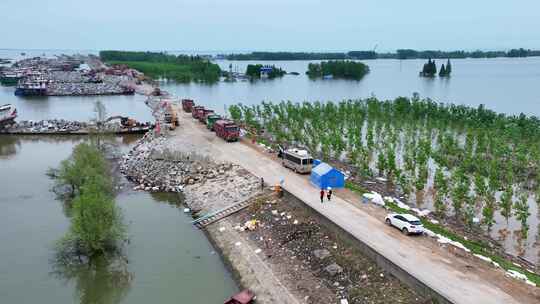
(125, 122)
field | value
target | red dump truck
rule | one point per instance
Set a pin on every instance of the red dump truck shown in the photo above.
(197, 111)
(227, 130)
(187, 105)
(205, 113)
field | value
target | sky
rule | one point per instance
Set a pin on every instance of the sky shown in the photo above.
(263, 25)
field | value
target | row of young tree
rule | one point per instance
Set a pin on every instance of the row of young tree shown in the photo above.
(480, 162)
(430, 69)
(338, 69)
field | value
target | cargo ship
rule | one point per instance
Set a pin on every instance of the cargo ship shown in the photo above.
(31, 88)
(8, 113)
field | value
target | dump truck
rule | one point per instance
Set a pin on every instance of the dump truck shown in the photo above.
(210, 120)
(196, 111)
(205, 113)
(187, 105)
(227, 130)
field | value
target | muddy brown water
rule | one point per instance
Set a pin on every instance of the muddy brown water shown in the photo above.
(168, 260)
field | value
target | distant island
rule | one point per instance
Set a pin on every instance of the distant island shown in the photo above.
(344, 69)
(430, 69)
(367, 55)
(181, 68)
(258, 71)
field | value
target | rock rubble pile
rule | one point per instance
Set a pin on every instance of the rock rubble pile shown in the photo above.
(209, 185)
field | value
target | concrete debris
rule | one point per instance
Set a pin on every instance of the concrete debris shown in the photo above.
(333, 269)
(321, 254)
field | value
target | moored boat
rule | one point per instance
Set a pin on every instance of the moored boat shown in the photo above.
(8, 113)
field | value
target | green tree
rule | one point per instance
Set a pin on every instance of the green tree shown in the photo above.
(488, 211)
(506, 202)
(236, 113)
(521, 211)
(448, 67)
(96, 224)
(442, 71)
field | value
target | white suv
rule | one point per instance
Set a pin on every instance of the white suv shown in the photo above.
(407, 223)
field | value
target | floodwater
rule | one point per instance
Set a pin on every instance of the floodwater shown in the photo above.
(507, 85)
(168, 260)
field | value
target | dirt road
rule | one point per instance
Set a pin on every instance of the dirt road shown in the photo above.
(457, 284)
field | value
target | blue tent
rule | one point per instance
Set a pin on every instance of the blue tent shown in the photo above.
(324, 176)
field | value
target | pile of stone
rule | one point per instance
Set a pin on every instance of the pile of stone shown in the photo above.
(209, 185)
(53, 125)
(85, 88)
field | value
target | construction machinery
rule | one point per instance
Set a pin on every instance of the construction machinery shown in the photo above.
(170, 117)
(205, 113)
(227, 130)
(125, 122)
(210, 120)
(187, 105)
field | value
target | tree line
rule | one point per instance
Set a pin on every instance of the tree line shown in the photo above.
(338, 69)
(365, 55)
(181, 68)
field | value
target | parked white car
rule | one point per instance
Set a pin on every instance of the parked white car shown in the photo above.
(408, 224)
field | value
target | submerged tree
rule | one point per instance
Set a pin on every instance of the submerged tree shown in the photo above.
(96, 222)
(521, 210)
(506, 202)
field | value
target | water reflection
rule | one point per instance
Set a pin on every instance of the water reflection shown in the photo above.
(101, 280)
(9, 145)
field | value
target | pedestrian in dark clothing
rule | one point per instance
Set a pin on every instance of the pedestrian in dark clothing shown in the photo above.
(322, 195)
(329, 193)
(262, 183)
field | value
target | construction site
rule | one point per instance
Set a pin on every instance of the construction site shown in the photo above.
(267, 220)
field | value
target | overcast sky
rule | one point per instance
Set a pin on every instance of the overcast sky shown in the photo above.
(294, 25)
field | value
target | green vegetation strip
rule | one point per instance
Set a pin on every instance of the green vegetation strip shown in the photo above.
(180, 68)
(338, 69)
(473, 246)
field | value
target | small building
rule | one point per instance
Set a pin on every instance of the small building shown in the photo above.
(324, 176)
(265, 71)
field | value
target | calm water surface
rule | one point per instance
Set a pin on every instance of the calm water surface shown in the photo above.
(169, 261)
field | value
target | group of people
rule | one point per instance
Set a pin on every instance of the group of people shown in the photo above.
(328, 194)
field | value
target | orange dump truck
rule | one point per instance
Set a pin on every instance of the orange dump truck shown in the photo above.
(197, 111)
(227, 130)
(187, 105)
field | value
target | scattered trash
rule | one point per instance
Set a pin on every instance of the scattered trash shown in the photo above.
(251, 225)
(258, 250)
(343, 301)
(237, 244)
(221, 229)
(520, 276)
(186, 210)
(374, 197)
(295, 222)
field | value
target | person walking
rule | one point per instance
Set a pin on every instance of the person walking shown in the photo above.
(322, 196)
(329, 193)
